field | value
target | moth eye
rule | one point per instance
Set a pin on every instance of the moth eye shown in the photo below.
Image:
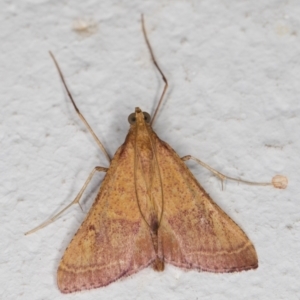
(147, 117)
(132, 118)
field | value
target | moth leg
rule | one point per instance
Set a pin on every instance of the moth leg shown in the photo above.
(77, 110)
(76, 200)
(157, 67)
(278, 181)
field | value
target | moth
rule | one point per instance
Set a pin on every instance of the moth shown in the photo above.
(150, 211)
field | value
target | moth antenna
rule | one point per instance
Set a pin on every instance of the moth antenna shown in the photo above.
(76, 108)
(158, 68)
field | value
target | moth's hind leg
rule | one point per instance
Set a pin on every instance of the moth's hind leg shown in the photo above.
(278, 181)
(76, 200)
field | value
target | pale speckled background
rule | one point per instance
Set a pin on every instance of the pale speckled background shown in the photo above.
(234, 102)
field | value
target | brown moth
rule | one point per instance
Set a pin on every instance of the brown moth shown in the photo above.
(150, 210)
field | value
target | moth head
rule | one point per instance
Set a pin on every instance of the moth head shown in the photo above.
(132, 118)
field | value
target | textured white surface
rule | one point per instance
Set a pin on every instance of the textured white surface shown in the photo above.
(234, 74)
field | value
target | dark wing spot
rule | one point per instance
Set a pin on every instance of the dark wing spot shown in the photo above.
(92, 227)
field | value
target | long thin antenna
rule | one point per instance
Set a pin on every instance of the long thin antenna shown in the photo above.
(158, 68)
(77, 110)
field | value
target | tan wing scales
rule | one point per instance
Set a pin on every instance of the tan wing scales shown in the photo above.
(195, 233)
(113, 241)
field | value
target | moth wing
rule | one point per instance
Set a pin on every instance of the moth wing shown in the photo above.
(113, 241)
(195, 233)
